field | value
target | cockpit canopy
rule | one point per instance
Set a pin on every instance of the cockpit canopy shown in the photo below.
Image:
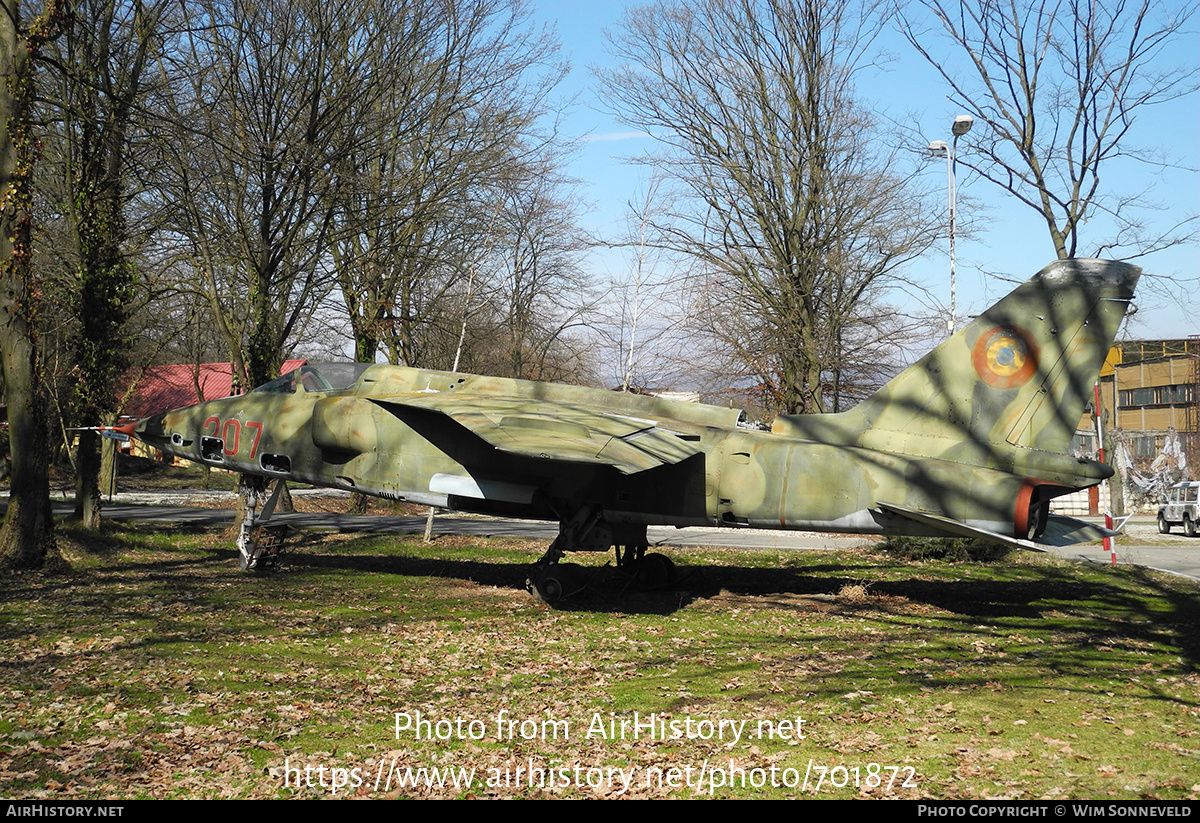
(316, 377)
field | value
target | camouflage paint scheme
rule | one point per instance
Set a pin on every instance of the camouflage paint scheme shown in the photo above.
(971, 439)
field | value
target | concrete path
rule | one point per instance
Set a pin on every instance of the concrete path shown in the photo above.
(1173, 553)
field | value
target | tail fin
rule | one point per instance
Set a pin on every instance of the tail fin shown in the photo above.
(1018, 376)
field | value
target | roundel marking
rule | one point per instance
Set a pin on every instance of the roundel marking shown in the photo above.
(1004, 357)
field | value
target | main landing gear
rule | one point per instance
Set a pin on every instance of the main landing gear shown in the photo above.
(553, 581)
(649, 570)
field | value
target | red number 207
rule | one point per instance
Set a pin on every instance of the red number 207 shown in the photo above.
(231, 433)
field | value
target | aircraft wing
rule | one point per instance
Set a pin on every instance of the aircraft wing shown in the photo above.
(1060, 530)
(547, 430)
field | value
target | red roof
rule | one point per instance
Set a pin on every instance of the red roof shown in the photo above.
(163, 388)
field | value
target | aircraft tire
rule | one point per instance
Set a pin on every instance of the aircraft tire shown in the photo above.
(557, 582)
(655, 571)
(549, 589)
(1163, 526)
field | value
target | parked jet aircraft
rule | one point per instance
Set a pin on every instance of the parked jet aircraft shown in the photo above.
(969, 441)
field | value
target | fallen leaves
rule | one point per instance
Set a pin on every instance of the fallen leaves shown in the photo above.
(165, 673)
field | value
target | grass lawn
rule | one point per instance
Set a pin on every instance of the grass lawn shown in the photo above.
(157, 669)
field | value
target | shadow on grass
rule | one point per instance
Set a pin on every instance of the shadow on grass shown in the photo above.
(1053, 599)
(1088, 623)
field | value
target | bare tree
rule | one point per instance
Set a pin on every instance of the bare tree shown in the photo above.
(1055, 88)
(259, 115)
(633, 307)
(259, 107)
(642, 333)
(417, 202)
(787, 201)
(642, 296)
(539, 291)
(525, 294)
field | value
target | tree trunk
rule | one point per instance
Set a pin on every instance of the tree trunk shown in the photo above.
(284, 504)
(110, 460)
(87, 480)
(27, 536)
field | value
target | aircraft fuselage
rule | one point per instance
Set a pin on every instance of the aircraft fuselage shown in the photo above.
(358, 439)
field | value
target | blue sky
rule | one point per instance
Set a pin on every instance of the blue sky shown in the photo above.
(1008, 237)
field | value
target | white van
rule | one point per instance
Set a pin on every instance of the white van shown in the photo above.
(1180, 508)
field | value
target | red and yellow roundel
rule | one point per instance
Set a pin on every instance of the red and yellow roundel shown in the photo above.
(1004, 357)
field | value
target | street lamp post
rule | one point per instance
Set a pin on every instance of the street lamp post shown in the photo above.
(938, 148)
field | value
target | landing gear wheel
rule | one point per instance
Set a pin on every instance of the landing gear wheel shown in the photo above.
(549, 589)
(1189, 526)
(655, 571)
(556, 582)
(1163, 526)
